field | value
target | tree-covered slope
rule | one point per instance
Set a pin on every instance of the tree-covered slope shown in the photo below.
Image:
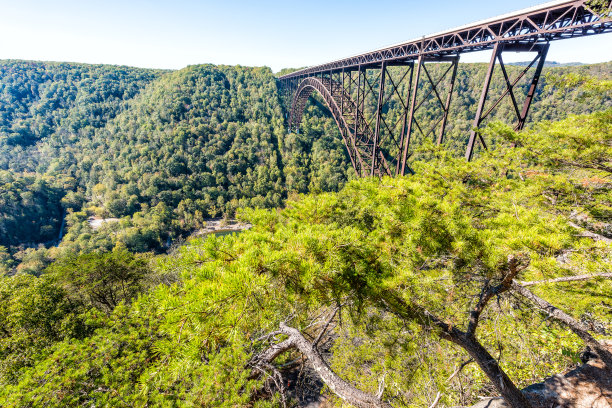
(398, 290)
(200, 142)
(162, 151)
(31, 209)
(56, 104)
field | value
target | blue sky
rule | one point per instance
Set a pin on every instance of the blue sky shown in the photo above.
(173, 34)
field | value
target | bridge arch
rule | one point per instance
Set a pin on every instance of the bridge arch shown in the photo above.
(306, 88)
(358, 144)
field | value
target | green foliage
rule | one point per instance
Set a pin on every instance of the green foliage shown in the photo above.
(163, 151)
(30, 209)
(104, 368)
(46, 106)
(35, 314)
(101, 280)
(105, 327)
(140, 355)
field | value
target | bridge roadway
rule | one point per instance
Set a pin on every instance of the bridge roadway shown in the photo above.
(380, 146)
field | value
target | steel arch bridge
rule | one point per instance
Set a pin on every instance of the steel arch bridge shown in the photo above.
(380, 144)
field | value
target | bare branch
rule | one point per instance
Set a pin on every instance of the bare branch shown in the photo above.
(268, 355)
(436, 401)
(567, 279)
(381, 386)
(320, 336)
(276, 378)
(261, 364)
(515, 265)
(577, 327)
(590, 234)
(340, 387)
(267, 336)
(459, 368)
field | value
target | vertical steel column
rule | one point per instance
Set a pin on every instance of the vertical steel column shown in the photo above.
(355, 135)
(411, 117)
(404, 120)
(358, 101)
(342, 90)
(381, 94)
(284, 84)
(294, 86)
(532, 88)
(448, 101)
(483, 97)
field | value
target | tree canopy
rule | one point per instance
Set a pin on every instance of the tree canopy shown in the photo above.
(390, 287)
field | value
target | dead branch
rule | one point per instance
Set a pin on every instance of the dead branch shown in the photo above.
(275, 350)
(435, 403)
(575, 326)
(261, 364)
(343, 389)
(590, 234)
(459, 368)
(324, 329)
(567, 279)
(515, 265)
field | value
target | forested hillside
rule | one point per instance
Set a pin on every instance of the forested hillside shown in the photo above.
(462, 281)
(46, 107)
(164, 150)
(193, 144)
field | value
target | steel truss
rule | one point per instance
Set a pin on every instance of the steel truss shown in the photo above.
(360, 90)
(521, 115)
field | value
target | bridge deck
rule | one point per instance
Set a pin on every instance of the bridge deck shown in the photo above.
(551, 21)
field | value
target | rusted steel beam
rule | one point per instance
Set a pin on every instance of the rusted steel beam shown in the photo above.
(521, 115)
(411, 115)
(509, 86)
(357, 105)
(400, 155)
(448, 101)
(343, 77)
(379, 107)
(534, 84)
(481, 102)
(305, 89)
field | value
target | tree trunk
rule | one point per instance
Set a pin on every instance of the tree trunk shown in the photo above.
(274, 351)
(511, 394)
(341, 388)
(577, 327)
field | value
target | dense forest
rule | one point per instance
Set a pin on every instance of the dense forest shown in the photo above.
(162, 151)
(419, 288)
(413, 291)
